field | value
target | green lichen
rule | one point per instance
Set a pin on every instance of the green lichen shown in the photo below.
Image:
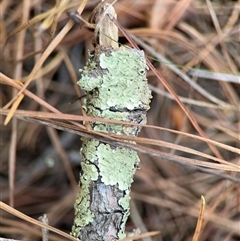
(83, 215)
(124, 202)
(126, 76)
(126, 80)
(117, 165)
(89, 148)
(121, 233)
(119, 88)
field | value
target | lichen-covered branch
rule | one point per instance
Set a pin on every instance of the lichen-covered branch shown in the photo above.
(116, 87)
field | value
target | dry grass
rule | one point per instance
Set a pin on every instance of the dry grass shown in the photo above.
(183, 154)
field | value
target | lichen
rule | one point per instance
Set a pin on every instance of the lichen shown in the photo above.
(89, 148)
(124, 202)
(124, 78)
(117, 165)
(121, 87)
(83, 215)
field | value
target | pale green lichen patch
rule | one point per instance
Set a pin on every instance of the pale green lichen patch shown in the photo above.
(124, 202)
(117, 165)
(83, 215)
(89, 148)
(88, 83)
(89, 79)
(116, 87)
(124, 85)
(121, 233)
